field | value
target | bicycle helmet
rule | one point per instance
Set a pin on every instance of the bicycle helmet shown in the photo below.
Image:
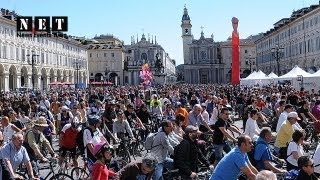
(93, 119)
(101, 146)
(43, 109)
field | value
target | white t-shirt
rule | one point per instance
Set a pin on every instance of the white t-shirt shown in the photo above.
(316, 159)
(7, 133)
(252, 129)
(205, 116)
(282, 118)
(87, 138)
(294, 147)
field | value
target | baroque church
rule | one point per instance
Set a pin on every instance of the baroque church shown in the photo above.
(202, 57)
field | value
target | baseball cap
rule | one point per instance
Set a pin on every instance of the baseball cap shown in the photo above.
(203, 105)
(293, 115)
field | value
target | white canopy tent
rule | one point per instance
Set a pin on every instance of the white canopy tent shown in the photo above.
(251, 75)
(272, 75)
(294, 73)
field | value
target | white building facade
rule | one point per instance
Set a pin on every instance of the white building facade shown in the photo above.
(55, 60)
(145, 51)
(202, 57)
(106, 55)
(298, 42)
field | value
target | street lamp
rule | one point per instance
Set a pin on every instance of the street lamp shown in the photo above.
(33, 63)
(277, 52)
(78, 66)
(250, 62)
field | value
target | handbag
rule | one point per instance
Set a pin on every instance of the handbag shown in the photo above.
(5, 170)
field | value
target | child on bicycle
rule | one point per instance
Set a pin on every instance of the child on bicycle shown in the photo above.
(103, 152)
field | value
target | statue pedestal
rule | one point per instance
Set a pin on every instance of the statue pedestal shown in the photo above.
(159, 79)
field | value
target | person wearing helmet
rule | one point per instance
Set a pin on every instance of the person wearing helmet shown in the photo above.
(67, 141)
(92, 136)
(103, 152)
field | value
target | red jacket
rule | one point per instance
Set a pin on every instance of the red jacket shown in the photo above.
(100, 171)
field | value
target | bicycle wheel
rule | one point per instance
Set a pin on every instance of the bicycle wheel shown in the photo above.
(61, 177)
(79, 173)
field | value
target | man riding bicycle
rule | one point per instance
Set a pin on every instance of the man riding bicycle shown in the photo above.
(67, 142)
(14, 154)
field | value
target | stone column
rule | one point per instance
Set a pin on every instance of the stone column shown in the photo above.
(18, 81)
(6, 81)
(38, 82)
(29, 81)
(47, 82)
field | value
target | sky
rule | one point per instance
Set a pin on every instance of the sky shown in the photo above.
(161, 18)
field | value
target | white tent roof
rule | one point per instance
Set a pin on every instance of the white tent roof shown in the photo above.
(295, 72)
(316, 74)
(251, 75)
(260, 75)
(272, 75)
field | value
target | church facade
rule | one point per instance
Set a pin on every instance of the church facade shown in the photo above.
(202, 57)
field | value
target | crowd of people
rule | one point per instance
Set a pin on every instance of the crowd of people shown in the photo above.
(275, 130)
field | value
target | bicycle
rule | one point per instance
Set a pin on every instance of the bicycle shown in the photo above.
(52, 175)
(82, 172)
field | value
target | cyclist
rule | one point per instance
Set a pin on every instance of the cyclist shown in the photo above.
(103, 152)
(162, 148)
(140, 170)
(92, 136)
(64, 117)
(36, 139)
(263, 154)
(121, 125)
(235, 161)
(67, 142)
(306, 167)
(48, 131)
(14, 154)
(8, 129)
(132, 116)
(221, 134)
(187, 154)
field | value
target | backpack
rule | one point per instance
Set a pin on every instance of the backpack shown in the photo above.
(148, 144)
(27, 146)
(79, 139)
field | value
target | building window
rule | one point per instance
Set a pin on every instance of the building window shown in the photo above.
(4, 54)
(17, 54)
(203, 55)
(23, 54)
(112, 54)
(11, 52)
(90, 55)
(42, 58)
(105, 54)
